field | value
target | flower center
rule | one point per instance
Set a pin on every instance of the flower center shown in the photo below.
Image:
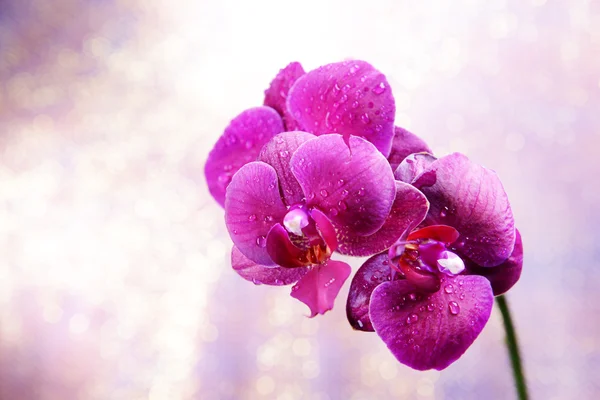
(311, 234)
(424, 257)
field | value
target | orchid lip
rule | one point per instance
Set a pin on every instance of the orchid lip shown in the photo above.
(425, 259)
(305, 238)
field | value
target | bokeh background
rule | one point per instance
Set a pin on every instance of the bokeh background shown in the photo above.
(115, 280)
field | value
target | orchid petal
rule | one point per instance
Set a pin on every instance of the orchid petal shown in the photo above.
(262, 274)
(355, 190)
(371, 274)
(504, 276)
(471, 199)
(277, 153)
(412, 166)
(408, 210)
(404, 144)
(325, 228)
(349, 97)
(238, 145)
(277, 93)
(431, 331)
(252, 206)
(320, 286)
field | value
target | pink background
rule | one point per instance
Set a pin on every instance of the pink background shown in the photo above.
(114, 274)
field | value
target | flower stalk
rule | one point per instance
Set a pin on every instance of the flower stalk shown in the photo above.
(512, 346)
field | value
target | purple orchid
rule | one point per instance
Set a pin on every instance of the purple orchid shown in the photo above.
(349, 98)
(307, 197)
(431, 294)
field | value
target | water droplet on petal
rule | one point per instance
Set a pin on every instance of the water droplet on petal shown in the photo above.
(361, 191)
(443, 212)
(343, 99)
(261, 241)
(333, 211)
(449, 289)
(344, 193)
(412, 296)
(329, 282)
(252, 218)
(462, 296)
(324, 193)
(269, 218)
(454, 308)
(342, 205)
(365, 119)
(430, 307)
(379, 88)
(412, 318)
(355, 104)
(284, 153)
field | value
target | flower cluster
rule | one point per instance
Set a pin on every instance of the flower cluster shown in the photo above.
(321, 169)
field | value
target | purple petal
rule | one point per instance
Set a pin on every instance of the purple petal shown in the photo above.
(355, 191)
(470, 198)
(371, 274)
(277, 93)
(404, 144)
(238, 145)
(350, 97)
(412, 166)
(325, 228)
(409, 209)
(319, 287)
(504, 276)
(277, 153)
(252, 207)
(431, 331)
(262, 274)
(282, 251)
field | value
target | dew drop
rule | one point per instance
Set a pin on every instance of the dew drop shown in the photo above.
(269, 218)
(341, 182)
(324, 193)
(329, 282)
(416, 347)
(344, 193)
(261, 241)
(365, 119)
(361, 191)
(252, 218)
(379, 88)
(430, 307)
(343, 99)
(355, 104)
(449, 289)
(284, 153)
(454, 308)
(412, 296)
(444, 212)
(342, 205)
(333, 211)
(412, 318)
(311, 196)
(462, 296)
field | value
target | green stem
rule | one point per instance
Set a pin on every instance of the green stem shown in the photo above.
(513, 348)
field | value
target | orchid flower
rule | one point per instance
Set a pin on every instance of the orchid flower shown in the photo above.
(349, 98)
(431, 294)
(307, 197)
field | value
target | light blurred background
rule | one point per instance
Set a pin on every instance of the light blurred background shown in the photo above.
(115, 280)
